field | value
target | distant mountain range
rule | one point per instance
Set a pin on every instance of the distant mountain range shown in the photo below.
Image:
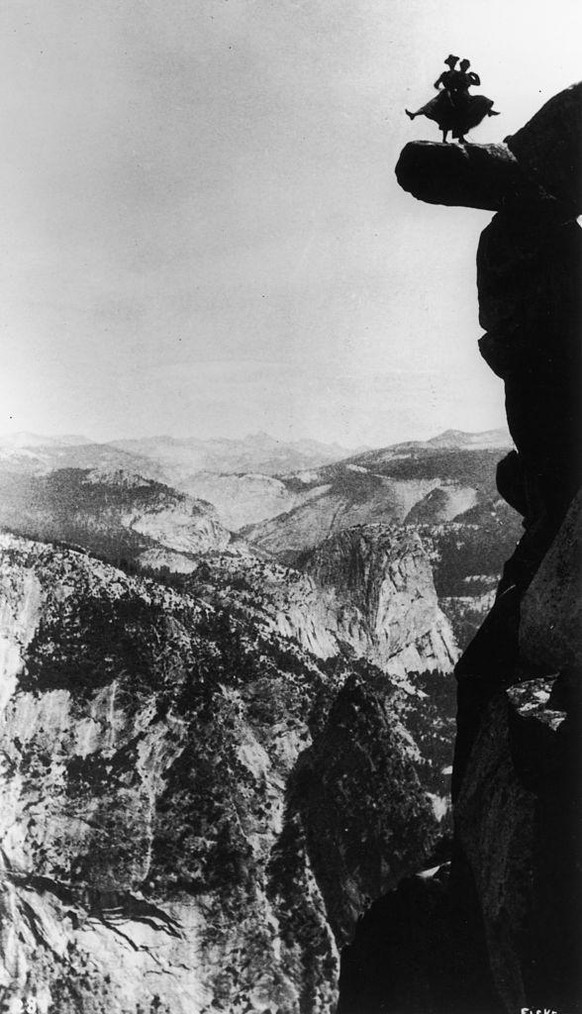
(248, 480)
(25, 440)
(459, 438)
(121, 505)
(408, 483)
(170, 457)
(258, 452)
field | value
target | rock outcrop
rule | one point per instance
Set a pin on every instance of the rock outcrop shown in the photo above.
(548, 147)
(514, 881)
(541, 162)
(517, 820)
(550, 629)
(497, 929)
(472, 176)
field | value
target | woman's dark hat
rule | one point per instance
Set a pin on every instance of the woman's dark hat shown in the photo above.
(451, 59)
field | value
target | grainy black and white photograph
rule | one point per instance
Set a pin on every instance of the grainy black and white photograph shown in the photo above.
(290, 444)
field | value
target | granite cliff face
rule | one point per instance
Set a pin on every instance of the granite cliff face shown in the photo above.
(185, 789)
(382, 578)
(442, 491)
(368, 592)
(498, 929)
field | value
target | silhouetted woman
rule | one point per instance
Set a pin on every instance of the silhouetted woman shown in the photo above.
(454, 108)
(470, 109)
(440, 107)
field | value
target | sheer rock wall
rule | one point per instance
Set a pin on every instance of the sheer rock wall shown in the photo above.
(498, 928)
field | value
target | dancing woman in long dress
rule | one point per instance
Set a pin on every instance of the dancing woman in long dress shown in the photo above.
(454, 108)
(471, 109)
(439, 108)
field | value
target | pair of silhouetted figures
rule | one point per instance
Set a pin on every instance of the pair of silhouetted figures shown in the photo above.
(454, 108)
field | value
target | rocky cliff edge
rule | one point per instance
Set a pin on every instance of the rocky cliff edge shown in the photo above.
(499, 928)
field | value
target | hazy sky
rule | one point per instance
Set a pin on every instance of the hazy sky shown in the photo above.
(201, 230)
